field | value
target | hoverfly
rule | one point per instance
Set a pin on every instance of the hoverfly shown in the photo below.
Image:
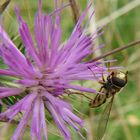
(113, 84)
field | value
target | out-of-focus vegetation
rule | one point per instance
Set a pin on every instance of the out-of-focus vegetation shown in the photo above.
(122, 25)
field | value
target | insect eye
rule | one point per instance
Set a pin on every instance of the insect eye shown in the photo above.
(118, 82)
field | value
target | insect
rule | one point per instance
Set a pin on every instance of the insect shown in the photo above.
(113, 84)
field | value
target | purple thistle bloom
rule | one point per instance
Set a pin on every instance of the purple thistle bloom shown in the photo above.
(46, 71)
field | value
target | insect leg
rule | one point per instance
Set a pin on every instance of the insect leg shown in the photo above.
(126, 76)
(98, 100)
(78, 93)
(100, 81)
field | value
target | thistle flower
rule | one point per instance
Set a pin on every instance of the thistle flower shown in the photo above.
(45, 72)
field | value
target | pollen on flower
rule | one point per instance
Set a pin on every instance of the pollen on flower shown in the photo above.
(46, 71)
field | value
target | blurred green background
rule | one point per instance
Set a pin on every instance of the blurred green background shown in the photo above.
(122, 25)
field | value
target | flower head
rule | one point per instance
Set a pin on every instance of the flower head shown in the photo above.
(46, 71)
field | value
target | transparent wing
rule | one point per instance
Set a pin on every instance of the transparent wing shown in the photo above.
(104, 120)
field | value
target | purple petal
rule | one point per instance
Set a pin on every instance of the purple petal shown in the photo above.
(21, 105)
(27, 39)
(42, 32)
(10, 45)
(73, 116)
(10, 92)
(59, 122)
(80, 88)
(43, 122)
(7, 72)
(22, 125)
(55, 41)
(27, 82)
(36, 124)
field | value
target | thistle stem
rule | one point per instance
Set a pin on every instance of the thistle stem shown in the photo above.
(116, 50)
(3, 6)
(75, 10)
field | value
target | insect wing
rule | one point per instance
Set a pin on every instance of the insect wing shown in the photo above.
(104, 120)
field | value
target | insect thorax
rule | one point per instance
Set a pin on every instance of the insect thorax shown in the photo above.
(118, 79)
